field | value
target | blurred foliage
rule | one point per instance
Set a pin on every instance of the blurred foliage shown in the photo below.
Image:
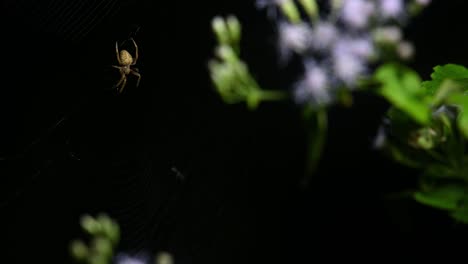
(427, 129)
(230, 75)
(105, 235)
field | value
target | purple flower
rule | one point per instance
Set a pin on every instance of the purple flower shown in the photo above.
(126, 259)
(314, 85)
(294, 38)
(324, 35)
(391, 8)
(338, 47)
(347, 66)
(362, 48)
(357, 13)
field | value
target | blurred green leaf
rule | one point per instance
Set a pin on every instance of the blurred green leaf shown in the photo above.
(461, 213)
(442, 197)
(318, 120)
(461, 100)
(443, 72)
(441, 171)
(402, 87)
(79, 250)
(90, 225)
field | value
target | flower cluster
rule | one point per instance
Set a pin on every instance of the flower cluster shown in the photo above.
(101, 249)
(339, 40)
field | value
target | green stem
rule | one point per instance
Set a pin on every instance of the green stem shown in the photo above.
(266, 95)
(316, 143)
(255, 97)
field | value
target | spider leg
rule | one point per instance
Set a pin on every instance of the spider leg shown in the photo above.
(117, 52)
(124, 82)
(136, 51)
(122, 78)
(137, 75)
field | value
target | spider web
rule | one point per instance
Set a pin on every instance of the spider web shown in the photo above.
(71, 20)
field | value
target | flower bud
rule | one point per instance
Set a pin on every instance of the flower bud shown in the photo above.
(234, 28)
(289, 9)
(311, 8)
(220, 29)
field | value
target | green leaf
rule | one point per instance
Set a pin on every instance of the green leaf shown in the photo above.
(443, 72)
(445, 197)
(461, 100)
(461, 213)
(402, 87)
(79, 250)
(440, 171)
(318, 118)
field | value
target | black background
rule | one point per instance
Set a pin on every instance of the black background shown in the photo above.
(70, 145)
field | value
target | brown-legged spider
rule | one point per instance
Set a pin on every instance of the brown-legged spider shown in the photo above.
(126, 60)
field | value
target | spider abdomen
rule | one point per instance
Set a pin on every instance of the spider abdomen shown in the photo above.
(125, 57)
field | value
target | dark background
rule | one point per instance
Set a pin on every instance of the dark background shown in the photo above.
(180, 170)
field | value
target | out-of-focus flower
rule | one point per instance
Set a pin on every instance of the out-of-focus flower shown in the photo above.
(361, 48)
(314, 85)
(391, 8)
(388, 35)
(357, 13)
(343, 42)
(123, 258)
(295, 37)
(324, 35)
(347, 67)
(405, 50)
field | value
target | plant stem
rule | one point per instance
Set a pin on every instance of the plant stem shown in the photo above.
(316, 143)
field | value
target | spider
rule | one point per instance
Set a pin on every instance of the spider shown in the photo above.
(126, 60)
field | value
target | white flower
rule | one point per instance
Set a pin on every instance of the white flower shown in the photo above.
(324, 35)
(391, 8)
(314, 85)
(357, 13)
